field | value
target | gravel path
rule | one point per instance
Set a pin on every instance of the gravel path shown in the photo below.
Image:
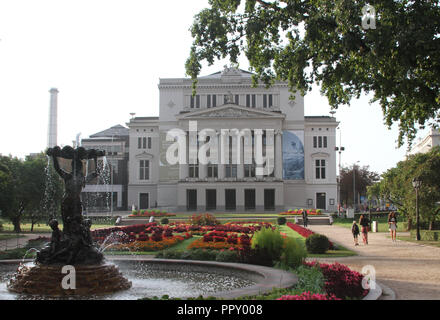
(410, 269)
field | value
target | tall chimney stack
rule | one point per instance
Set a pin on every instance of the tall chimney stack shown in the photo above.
(53, 119)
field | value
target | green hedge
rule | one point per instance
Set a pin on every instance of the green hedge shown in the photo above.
(317, 244)
(426, 235)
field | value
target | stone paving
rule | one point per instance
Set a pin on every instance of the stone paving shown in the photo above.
(410, 269)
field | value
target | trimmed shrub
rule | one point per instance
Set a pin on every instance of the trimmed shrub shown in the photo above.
(281, 221)
(317, 243)
(164, 221)
(293, 254)
(267, 245)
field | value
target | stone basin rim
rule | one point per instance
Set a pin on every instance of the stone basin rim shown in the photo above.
(270, 277)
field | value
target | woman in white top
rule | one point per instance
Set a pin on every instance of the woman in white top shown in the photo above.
(392, 222)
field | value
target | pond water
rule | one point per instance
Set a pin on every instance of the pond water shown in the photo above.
(151, 279)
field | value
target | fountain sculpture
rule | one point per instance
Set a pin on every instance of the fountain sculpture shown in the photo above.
(74, 245)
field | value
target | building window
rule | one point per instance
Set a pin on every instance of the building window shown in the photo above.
(212, 171)
(144, 142)
(195, 101)
(144, 170)
(320, 169)
(267, 101)
(231, 171)
(320, 142)
(250, 100)
(249, 170)
(237, 99)
(208, 101)
(193, 170)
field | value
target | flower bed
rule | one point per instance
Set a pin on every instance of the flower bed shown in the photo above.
(221, 240)
(148, 245)
(221, 245)
(299, 212)
(150, 213)
(341, 281)
(214, 237)
(309, 296)
(304, 232)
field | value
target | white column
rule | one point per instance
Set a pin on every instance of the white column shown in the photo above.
(221, 167)
(240, 166)
(183, 168)
(53, 119)
(278, 155)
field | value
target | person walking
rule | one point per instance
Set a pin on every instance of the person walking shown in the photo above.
(392, 222)
(355, 231)
(305, 219)
(365, 224)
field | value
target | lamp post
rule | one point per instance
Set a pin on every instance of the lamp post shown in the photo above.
(111, 181)
(354, 186)
(417, 183)
(339, 150)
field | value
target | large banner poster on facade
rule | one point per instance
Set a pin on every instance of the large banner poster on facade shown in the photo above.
(293, 155)
(167, 172)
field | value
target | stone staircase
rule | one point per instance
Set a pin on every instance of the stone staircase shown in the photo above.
(324, 220)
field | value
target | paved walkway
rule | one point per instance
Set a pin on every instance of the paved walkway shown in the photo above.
(410, 269)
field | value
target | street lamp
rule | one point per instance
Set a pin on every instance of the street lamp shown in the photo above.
(339, 150)
(417, 183)
(354, 186)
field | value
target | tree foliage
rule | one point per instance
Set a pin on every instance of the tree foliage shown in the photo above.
(23, 189)
(363, 179)
(396, 186)
(323, 42)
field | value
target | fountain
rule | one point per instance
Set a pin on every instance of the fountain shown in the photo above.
(74, 245)
(97, 279)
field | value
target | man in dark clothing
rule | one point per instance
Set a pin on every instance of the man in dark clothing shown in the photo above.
(305, 219)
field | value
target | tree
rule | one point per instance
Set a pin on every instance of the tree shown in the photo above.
(11, 200)
(323, 42)
(396, 186)
(363, 179)
(23, 187)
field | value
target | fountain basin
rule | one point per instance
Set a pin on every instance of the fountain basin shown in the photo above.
(90, 280)
(184, 279)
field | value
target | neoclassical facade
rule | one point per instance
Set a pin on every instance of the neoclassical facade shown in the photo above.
(303, 149)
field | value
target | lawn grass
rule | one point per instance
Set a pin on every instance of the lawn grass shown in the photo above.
(422, 242)
(348, 223)
(340, 253)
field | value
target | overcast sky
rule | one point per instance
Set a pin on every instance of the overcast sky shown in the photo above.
(106, 58)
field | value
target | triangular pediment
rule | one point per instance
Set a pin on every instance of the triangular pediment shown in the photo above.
(231, 111)
(144, 155)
